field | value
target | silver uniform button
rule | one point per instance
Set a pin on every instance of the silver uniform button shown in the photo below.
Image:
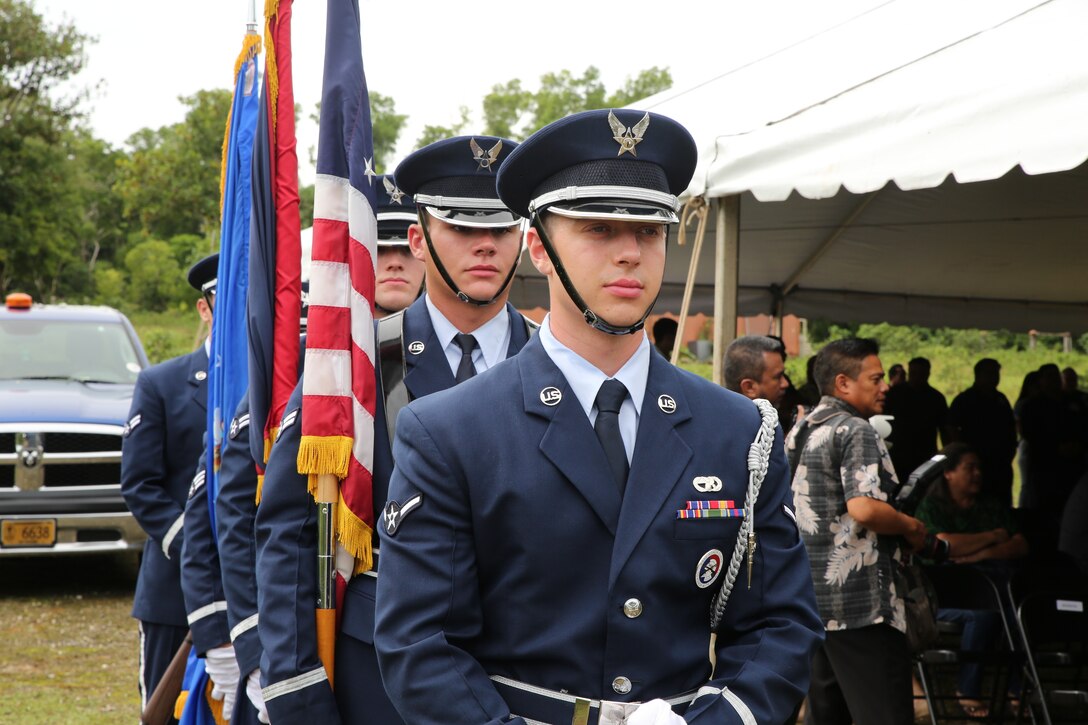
(621, 685)
(632, 608)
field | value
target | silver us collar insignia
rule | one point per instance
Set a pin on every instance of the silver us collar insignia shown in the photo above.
(628, 138)
(395, 194)
(485, 158)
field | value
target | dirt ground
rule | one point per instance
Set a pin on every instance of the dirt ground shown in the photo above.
(68, 647)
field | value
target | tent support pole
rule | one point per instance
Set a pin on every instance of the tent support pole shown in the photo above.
(726, 278)
(821, 250)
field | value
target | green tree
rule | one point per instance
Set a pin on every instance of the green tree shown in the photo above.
(386, 125)
(430, 133)
(306, 206)
(512, 111)
(170, 183)
(47, 245)
(155, 277)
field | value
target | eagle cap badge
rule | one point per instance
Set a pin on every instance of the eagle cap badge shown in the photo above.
(395, 194)
(626, 137)
(485, 158)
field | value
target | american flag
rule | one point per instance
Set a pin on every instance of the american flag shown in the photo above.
(339, 388)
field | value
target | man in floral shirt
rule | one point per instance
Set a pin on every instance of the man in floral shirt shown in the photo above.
(842, 482)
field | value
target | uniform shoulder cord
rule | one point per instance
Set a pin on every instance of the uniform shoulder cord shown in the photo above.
(759, 456)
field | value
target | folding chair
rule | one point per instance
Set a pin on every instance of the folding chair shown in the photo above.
(966, 588)
(1054, 629)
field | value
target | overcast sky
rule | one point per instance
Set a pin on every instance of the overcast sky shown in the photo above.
(431, 56)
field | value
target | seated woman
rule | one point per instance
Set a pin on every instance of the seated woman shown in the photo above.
(977, 529)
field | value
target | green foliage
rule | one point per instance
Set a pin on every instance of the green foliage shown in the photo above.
(155, 277)
(512, 111)
(49, 171)
(387, 125)
(168, 334)
(170, 183)
(430, 134)
(109, 285)
(306, 206)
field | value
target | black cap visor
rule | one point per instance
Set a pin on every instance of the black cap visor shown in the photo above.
(617, 209)
(479, 218)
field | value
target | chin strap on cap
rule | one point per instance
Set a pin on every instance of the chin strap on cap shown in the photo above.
(446, 275)
(592, 318)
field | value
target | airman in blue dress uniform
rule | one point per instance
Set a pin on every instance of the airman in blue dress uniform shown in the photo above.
(470, 243)
(161, 449)
(565, 534)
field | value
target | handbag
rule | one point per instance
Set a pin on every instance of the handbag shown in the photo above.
(920, 604)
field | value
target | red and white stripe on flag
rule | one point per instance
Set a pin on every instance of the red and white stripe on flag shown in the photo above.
(339, 385)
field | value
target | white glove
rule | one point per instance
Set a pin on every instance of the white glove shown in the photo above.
(222, 668)
(655, 712)
(253, 692)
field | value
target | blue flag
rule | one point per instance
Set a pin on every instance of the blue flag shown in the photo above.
(196, 711)
(228, 367)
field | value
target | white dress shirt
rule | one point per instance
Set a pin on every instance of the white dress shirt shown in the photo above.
(585, 379)
(492, 338)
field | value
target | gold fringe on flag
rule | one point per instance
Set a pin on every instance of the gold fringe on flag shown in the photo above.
(355, 536)
(251, 46)
(216, 706)
(272, 77)
(324, 454)
(260, 487)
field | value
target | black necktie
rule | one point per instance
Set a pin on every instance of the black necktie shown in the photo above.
(465, 369)
(607, 426)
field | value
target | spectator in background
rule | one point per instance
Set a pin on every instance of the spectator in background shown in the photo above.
(1055, 428)
(982, 418)
(1071, 388)
(920, 414)
(896, 375)
(1073, 533)
(789, 405)
(665, 336)
(810, 391)
(1029, 388)
(842, 481)
(755, 368)
(978, 527)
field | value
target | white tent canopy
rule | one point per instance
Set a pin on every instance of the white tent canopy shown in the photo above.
(841, 148)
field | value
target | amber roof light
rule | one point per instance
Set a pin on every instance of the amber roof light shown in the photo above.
(19, 301)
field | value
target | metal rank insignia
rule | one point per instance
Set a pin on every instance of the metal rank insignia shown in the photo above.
(551, 396)
(395, 194)
(485, 158)
(722, 509)
(627, 138)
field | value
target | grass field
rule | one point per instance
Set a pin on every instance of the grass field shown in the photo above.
(70, 646)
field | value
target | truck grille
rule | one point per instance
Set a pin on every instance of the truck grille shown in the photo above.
(53, 455)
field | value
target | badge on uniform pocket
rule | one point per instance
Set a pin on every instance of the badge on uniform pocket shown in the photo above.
(721, 509)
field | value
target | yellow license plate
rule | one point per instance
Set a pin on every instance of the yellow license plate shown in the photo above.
(28, 533)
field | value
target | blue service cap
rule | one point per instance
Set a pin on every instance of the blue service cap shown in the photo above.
(454, 180)
(395, 213)
(606, 164)
(202, 275)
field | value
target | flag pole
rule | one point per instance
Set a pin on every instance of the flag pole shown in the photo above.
(251, 21)
(326, 495)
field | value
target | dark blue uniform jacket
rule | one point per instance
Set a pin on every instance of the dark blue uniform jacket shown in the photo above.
(160, 452)
(295, 686)
(520, 556)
